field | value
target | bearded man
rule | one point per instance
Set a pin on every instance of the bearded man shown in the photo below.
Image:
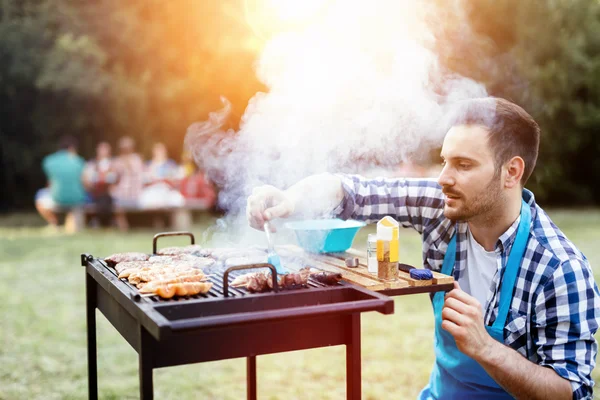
(521, 319)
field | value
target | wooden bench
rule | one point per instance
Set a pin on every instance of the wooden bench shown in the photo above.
(180, 218)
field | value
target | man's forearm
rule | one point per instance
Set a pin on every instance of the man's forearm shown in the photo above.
(316, 195)
(522, 378)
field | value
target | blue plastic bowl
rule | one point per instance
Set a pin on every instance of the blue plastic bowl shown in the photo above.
(325, 235)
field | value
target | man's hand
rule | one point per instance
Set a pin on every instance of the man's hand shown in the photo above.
(268, 202)
(462, 317)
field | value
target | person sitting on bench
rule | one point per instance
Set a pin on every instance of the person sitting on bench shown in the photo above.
(65, 192)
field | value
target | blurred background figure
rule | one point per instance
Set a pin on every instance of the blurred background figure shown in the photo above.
(194, 185)
(129, 171)
(161, 181)
(188, 165)
(160, 167)
(64, 170)
(98, 176)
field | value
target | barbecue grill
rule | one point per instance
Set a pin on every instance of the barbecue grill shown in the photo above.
(227, 322)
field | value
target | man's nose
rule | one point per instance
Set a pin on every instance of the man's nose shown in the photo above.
(445, 178)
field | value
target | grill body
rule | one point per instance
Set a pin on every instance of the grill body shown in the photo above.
(214, 327)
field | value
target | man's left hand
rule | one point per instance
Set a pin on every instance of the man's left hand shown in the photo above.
(462, 317)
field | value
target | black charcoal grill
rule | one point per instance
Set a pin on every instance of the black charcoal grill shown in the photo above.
(226, 322)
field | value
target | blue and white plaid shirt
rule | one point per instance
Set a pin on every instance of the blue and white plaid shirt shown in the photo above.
(555, 308)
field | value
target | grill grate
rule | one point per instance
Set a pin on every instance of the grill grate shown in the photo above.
(216, 290)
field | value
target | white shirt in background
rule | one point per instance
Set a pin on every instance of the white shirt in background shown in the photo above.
(481, 267)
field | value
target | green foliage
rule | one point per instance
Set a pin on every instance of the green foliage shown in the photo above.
(101, 70)
(564, 76)
(148, 68)
(545, 56)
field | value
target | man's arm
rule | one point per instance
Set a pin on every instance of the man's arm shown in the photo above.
(310, 197)
(413, 202)
(463, 318)
(316, 195)
(520, 377)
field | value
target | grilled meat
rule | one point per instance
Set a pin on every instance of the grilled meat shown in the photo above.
(152, 286)
(193, 249)
(261, 281)
(137, 268)
(125, 265)
(327, 278)
(173, 258)
(164, 273)
(114, 259)
(288, 281)
(167, 291)
(254, 281)
(242, 280)
(198, 264)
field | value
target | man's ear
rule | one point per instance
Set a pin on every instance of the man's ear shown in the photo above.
(514, 172)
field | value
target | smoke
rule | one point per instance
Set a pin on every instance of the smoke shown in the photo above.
(359, 86)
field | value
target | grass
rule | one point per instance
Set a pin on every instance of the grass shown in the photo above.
(43, 341)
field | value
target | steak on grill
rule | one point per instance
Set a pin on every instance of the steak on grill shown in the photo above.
(114, 259)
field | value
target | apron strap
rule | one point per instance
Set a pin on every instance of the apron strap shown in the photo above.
(513, 266)
(450, 257)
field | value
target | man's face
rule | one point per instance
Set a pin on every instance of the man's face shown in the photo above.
(468, 179)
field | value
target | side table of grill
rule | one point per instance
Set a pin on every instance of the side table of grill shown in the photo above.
(214, 327)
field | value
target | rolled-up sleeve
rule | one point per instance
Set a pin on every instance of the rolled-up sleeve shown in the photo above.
(567, 315)
(413, 202)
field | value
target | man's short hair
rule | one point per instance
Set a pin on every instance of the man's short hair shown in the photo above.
(67, 142)
(512, 131)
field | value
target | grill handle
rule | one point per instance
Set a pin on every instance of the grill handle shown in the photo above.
(164, 234)
(249, 266)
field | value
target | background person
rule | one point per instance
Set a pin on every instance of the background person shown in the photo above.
(160, 168)
(65, 191)
(194, 185)
(98, 177)
(522, 317)
(129, 171)
(161, 181)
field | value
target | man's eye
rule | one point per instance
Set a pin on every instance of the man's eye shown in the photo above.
(464, 166)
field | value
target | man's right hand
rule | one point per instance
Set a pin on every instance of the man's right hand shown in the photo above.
(267, 203)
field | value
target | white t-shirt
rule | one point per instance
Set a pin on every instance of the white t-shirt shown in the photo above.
(481, 268)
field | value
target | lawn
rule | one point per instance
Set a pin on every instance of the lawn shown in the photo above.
(43, 343)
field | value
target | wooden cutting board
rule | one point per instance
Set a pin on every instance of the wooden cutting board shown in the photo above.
(438, 278)
(335, 262)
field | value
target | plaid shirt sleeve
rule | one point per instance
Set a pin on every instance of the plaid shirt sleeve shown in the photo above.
(567, 312)
(413, 202)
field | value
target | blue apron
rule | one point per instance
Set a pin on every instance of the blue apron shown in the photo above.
(454, 375)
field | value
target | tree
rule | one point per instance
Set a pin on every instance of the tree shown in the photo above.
(100, 70)
(545, 56)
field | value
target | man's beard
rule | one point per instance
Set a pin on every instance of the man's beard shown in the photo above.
(479, 206)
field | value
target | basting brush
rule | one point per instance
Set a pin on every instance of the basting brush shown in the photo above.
(272, 257)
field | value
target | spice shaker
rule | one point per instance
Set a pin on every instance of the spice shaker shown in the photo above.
(372, 253)
(387, 248)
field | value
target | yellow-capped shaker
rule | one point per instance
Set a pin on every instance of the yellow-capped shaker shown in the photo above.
(388, 231)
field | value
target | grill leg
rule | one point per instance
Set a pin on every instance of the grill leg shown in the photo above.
(145, 365)
(251, 377)
(353, 367)
(90, 299)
